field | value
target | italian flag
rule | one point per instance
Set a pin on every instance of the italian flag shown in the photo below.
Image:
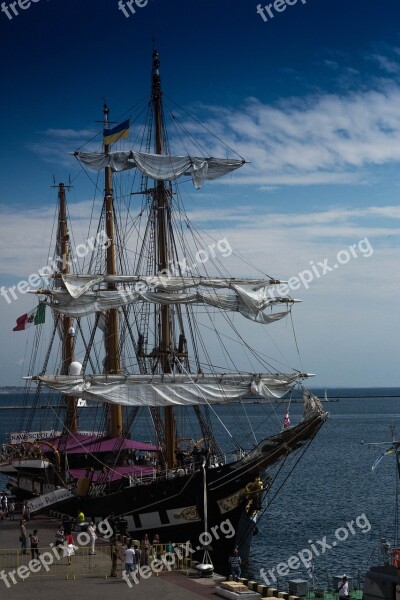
(35, 317)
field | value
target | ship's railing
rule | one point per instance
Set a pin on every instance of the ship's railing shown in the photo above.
(179, 471)
(54, 562)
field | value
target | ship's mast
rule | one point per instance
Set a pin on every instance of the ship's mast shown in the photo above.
(71, 417)
(112, 365)
(161, 204)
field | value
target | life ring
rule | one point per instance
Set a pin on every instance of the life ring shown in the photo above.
(396, 558)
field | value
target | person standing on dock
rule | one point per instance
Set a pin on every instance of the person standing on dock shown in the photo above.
(59, 536)
(92, 532)
(34, 544)
(4, 505)
(115, 556)
(145, 550)
(25, 511)
(343, 588)
(136, 565)
(70, 548)
(235, 562)
(67, 525)
(23, 535)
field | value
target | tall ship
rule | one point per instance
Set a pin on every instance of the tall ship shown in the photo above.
(149, 378)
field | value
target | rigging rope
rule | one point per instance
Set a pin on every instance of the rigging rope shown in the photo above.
(211, 407)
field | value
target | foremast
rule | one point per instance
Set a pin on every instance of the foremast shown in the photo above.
(161, 203)
(112, 362)
(68, 332)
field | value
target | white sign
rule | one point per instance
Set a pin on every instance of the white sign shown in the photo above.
(47, 499)
(24, 436)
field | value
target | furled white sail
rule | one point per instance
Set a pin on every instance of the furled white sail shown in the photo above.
(77, 285)
(162, 167)
(173, 389)
(250, 304)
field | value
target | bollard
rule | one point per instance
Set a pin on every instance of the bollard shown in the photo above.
(263, 590)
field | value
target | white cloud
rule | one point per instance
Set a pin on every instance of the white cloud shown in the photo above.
(319, 139)
(71, 133)
(312, 140)
(390, 66)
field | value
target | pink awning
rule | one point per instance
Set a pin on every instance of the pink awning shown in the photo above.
(79, 443)
(112, 445)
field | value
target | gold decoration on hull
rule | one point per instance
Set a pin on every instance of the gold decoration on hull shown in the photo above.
(252, 489)
(189, 514)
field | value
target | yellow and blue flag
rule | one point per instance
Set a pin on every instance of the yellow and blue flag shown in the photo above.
(118, 132)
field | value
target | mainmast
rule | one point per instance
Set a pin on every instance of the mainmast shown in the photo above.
(71, 417)
(112, 364)
(161, 203)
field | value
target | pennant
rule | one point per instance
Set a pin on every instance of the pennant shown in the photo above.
(118, 132)
(34, 317)
(378, 460)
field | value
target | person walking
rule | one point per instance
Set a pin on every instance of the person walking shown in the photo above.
(92, 532)
(130, 559)
(235, 562)
(34, 544)
(23, 535)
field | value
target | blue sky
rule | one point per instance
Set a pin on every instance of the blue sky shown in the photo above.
(311, 98)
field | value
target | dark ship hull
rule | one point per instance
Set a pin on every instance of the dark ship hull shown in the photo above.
(173, 506)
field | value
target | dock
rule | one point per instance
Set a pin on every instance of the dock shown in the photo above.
(88, 576)
(93, 577)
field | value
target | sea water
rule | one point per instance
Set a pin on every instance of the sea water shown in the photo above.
(332, 504)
